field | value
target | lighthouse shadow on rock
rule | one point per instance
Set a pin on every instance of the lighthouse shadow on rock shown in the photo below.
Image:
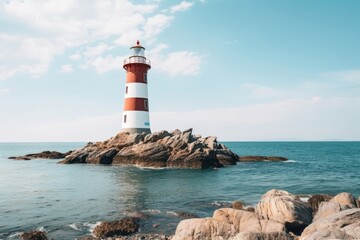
(136, 104)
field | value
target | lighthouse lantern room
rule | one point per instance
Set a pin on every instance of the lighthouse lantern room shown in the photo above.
(136, 104)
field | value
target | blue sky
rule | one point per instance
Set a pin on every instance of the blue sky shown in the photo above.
(240, 70)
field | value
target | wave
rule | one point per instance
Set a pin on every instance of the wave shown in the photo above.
(222, 203)
(290, 161)
(74, 226)
(91, 226)
(152, 211)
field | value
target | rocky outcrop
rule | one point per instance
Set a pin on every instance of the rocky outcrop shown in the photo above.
(316, 199)
(124, 226)
(45, 154)
(261, 159)
(285, 208)
(33, 235)
(262, 236)
(160, 149)
(345, 199)
(342, 225)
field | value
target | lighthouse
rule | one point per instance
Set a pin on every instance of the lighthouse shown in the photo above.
(136, 104)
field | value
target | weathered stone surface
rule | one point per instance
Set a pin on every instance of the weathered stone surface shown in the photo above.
(345, 199)
(261, 159)
(245, 221)
(238, 205)
(33, 235)
(226, 157)
(285, 208)
(342, 225)
(124, 226)
(204, 229)
(186, 215)
(316, 199)
(327, 209)
(262, 236)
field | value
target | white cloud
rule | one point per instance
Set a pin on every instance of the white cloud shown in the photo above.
(108, 63)
(128, 39)
(66, 69)
(184, 5)
(75, 56)
(175, 63)
(4, 90)
(155, 25)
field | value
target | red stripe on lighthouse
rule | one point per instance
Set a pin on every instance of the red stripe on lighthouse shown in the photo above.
(136, 104)
(136, 73)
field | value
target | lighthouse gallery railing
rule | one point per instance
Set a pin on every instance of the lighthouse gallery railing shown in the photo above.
(136, 59)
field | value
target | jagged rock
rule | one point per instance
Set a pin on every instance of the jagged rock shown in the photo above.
(145, 155)
(342, 225)
(20, 158)
(245, 221)
(203, 229)
(261, 159)
(124, 226)
(226, 157)
(345, 199)
(316, 199)
(262, 236)
(33, 235)
(285, 208)
(159, 149)
(327, 209)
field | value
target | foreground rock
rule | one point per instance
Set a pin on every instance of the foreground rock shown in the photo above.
(45, 154)
(261, 159)
(152, 236)
(316, 199)
(33, 235)
(342, 225)
(285, 208)
(122, 227)
(160, 149)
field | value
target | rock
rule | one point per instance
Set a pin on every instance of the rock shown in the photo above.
(44, 154)
(285, 208)
(196, 160)
(156, 225)
(262, 236)
(261, 159)
(344, 199)
(203, 229)
(245, 221)
(20, 158)
(186, 215)
(327, 209)
(315, 200)
(33, 235)
(103, 157)
(135, 138)
(124, 226)
(342, 225)
(211, 142)
(144, 155)
(238, 205)
(226, 157)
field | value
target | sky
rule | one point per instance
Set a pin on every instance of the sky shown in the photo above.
(241, 70)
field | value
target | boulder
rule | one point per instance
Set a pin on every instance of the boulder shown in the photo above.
(103, 157)
(285, 208)
(245, 221)
(327, 209)
(186, 215)
(33, 235)
(262, 236)
(124, 226)
(135, 138)
(345, 199)
(261, 159)
(316, 199)
(226, 157)
(342, 225)
(204, 229)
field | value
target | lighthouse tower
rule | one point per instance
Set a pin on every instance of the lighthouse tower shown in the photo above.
(136, 103)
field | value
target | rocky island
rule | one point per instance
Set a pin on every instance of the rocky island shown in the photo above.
(176, 149)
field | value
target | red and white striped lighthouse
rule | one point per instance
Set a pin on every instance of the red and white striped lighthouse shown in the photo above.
(136, 103)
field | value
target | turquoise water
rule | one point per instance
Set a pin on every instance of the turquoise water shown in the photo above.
(67, 200)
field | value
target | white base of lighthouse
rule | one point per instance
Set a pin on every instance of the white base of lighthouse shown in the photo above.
(136, 122)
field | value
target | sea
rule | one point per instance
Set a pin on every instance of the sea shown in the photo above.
(67, 201)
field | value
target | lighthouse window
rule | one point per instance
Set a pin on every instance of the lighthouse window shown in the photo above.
(124, 118)
(146, 104)
(145, 77)
(126, 89)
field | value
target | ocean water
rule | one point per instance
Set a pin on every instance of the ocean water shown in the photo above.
(68, 200)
